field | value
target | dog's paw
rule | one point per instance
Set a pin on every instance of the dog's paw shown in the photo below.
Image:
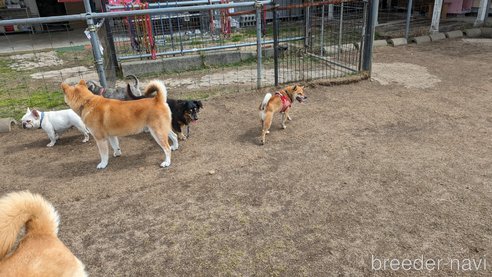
(50, 144)
(289, 118)
(117, 153)
(174, 147)
(267, 132)
(85, 139)
(283, 126)
(102, 165)
(165, 164)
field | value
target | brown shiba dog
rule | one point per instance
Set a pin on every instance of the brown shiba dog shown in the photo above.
(107, 119)
(40, 253)
(281, 102)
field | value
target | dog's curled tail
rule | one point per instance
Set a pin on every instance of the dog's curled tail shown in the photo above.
(159, 88)
(131, 76)
(263, 105)
(24, 208)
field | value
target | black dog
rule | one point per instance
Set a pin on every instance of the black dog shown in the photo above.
(183, 112)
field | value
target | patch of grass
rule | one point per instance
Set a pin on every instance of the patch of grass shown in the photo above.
(197, 95)
(44, 100)
(75, 56)
(237, 37)
(71, 49)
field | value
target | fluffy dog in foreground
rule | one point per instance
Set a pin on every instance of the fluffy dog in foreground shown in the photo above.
(54, 123)
(183, 112)
(281, 102)
(40, 253)
(109, 118)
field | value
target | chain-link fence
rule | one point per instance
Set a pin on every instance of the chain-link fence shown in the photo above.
(412, 18)
(322, 41)
(199, 48)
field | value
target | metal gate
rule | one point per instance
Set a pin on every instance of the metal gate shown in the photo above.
(320, 40)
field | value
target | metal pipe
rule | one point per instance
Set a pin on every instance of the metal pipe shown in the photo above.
(43, 20)
(340, 31)
(85, 16)
(363, 35)
(275, 42)
(307, 30)
(322, 39)
(258, 7)
(96, 51)
(409, 15)
(372, 18)
(168, 4)
(222, 47)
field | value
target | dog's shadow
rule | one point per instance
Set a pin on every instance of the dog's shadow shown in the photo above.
(88, 167)
(250, 136)
(28, 146)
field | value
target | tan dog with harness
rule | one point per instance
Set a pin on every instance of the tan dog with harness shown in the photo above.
(280, 102)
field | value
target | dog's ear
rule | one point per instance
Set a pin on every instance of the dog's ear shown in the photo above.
(35, 113)
(294, 88)
(28, 110)
(82, 82)
(65, 87)
(199, 104)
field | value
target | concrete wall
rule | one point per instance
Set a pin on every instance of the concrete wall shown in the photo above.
(189, 62)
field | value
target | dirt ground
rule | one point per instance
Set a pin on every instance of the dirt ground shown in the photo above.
(363, 172)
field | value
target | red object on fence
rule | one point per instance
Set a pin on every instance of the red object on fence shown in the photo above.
(211, 15)
(150, 34)
(225, 20)
(9, 28)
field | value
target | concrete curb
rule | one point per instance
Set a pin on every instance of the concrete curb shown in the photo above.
(6, 124)
(397, 41)
(454, 34)
(473, 33)
(437, 36)
(380, 42)
(421, 39)
(486, 32)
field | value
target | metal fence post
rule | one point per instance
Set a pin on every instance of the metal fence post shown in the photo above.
(436, 16)
(322, 39)
(483, 12)
(275, 41)
(258, 7)
(409, 15)
(372, 18)
(340, 31)
(96, 51)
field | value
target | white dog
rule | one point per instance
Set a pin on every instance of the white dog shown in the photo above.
(54, 123)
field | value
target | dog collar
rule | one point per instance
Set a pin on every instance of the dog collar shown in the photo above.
(286, 101)
(41, 120)
(102, 91)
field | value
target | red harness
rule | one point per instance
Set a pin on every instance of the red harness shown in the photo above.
(286, 103)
